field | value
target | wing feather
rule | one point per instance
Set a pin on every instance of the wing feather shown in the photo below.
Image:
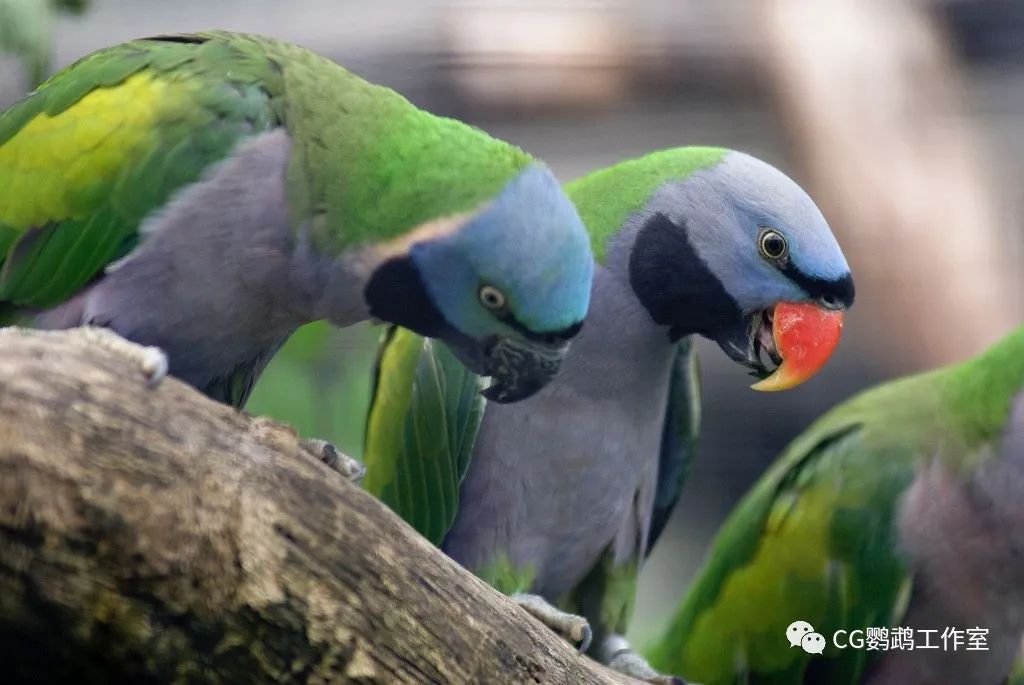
(813, 543)
(421, 430)
(105, 143)
(679, 438)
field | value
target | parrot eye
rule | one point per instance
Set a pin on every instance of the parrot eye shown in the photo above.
(491, 297)
(773, 245)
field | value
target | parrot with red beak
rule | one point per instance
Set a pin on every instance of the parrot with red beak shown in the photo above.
(558, 500)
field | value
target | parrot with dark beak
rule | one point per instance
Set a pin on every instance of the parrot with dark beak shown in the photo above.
(557, 500)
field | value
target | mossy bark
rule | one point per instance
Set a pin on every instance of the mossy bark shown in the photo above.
(156, 536)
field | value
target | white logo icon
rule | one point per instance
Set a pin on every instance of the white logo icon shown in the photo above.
(813, 643)
(796, 631)
(801, 634)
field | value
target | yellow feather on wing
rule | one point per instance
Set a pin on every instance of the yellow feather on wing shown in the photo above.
(52, 159)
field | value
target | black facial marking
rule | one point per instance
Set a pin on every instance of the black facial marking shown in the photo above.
(832, 294)
(396, 294)
(675, 285)
(546, 337)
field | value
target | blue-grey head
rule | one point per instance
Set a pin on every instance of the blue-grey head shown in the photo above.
(505, 287)
(739, 253)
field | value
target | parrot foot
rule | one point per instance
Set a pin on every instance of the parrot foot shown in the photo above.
(616, 653)
(351, 469)
(151, 360)
(574, 628)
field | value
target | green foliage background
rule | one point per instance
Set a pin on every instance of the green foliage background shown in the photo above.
(320, 384)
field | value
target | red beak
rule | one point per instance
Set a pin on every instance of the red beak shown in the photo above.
(805, 337)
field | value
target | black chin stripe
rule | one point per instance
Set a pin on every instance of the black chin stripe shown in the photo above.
(674, 284)
(395, 293)
(546, 337)
(837, 294)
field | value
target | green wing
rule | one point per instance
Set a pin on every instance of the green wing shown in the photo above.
(105, 142)
(422, 425)
(813, 542)
(815, 539)
(679, 437)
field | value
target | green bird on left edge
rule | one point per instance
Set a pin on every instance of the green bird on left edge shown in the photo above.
(207, 194)
(900, 509)
(559, 499)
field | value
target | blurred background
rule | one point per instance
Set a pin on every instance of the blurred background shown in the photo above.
(905, 121)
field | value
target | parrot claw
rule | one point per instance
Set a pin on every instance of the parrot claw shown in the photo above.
(351, 469)
(574, 628)
(616, 653)
(154, 365)
(151, 360)
(584, 638)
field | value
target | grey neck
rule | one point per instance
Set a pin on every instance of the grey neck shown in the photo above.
(621, 351)
(332, 288)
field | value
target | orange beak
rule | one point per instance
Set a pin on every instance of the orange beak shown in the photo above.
(805, 337)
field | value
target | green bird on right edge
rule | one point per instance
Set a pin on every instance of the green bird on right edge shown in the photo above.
(557, 500)
(902, 508)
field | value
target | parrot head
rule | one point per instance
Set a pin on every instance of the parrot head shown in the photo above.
(505, 287)
(739, 253)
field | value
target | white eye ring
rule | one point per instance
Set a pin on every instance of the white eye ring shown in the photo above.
(491, 297)
(773, 245)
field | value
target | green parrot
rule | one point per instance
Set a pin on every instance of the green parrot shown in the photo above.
(208, 194)
(26, 29)
(898, 509)
(559, 501)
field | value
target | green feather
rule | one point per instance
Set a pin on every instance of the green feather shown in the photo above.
(679, 437)
(608, 197)
(501, 574)
(94, 205)
(416, 470)
(105, 143)
(814, 540)
(607, 595)
(407, 395)
(421, 429)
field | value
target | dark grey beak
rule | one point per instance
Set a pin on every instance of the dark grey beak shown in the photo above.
(749, 342)
(518, 368)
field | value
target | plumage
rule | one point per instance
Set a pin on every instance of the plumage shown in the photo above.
(899, 507)
(209, 193)
(564, 495)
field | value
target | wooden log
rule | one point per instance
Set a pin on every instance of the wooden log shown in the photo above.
(157, 536)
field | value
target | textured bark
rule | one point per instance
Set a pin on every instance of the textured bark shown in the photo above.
(156, 536)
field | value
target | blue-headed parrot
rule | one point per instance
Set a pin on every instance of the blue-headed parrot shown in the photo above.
(558, 500)
(207, 194)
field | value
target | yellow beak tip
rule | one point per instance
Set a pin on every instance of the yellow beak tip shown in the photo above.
(781, 379)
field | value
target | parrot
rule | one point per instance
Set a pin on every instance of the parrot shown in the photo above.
(898, 509)
(207, 194)
(26, 29)
(558, 501)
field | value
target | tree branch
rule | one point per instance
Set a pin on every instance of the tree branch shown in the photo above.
(157, 536)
